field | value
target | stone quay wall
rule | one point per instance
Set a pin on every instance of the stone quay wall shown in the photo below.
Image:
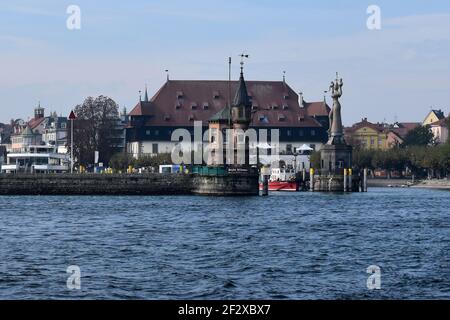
(127, 184)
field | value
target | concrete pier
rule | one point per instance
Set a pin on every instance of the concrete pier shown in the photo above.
(129, 184)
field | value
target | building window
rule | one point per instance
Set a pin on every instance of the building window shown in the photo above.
(155, 148)
(63, 125)
(289, 133)
(313, 132)
(156, 132)
(213, 135)
(263, 119)
(301, 133)
(147, 132)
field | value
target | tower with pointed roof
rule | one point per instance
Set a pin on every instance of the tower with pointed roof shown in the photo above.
(39, 112)
(241, 112)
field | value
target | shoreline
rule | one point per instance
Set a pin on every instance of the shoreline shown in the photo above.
(433, 184)
(401, 183)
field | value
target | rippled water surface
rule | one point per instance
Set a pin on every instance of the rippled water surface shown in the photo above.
(286, 246)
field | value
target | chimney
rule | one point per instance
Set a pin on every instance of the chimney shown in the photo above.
(301, 102)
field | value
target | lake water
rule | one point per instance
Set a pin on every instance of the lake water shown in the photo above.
(286, 246)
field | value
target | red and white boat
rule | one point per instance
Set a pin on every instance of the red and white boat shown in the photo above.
(287, 186)
(282, 180)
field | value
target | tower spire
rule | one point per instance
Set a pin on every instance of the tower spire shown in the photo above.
(241, 98)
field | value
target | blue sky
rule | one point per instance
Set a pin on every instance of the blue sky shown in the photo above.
(398, 72)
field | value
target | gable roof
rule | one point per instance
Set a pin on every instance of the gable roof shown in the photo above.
(180, 102)
(366, 124)
(317, 109)
(35, 122)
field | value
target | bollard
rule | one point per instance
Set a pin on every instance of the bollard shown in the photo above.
(350, 180)
(345, 180)
(311, 180)
(365, 181)
(304, 175)
(265, 183)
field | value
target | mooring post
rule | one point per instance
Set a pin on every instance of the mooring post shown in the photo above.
(265, 175)
(265, 189)
(365, 181)
(350, 180)
(311, 180)
(345, 180)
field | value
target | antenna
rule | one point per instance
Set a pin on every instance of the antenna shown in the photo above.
(229, 90)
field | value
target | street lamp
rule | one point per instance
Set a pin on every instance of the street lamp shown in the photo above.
(72, 117)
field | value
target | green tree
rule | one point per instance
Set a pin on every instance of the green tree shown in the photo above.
(121, 161)
(420, 136)
(154, 161)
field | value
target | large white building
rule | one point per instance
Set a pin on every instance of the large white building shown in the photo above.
(178, 104)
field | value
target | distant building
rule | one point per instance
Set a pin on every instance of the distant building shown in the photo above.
(378, 136)
(55, 132)
(274, 105)
(23, 138)
(36, 159)
(40, 130)
(398, 132)
(433, 117)
(440, 130)
(367, 135)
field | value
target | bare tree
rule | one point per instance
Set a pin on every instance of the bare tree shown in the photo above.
(94, 130)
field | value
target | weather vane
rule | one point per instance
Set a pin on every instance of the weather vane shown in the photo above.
(243, 56)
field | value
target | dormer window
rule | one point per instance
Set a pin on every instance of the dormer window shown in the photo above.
(286, 96)
(263, 119)
(191, 118)
(205, 106)
(254, 107)
(301, 118)
(178, 106)
(166, 118)
(216, 94)
(281, 117)
(285, 107)
(180, 94)
(193, 106)
(274, 107)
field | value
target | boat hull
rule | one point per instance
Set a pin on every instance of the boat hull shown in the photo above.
(286, 186)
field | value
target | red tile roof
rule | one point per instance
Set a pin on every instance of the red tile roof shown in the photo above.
(366, 124)
(179, 101)
(35, 122)
(318, 109)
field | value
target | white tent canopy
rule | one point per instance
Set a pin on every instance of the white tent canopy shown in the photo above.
(305, 148)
